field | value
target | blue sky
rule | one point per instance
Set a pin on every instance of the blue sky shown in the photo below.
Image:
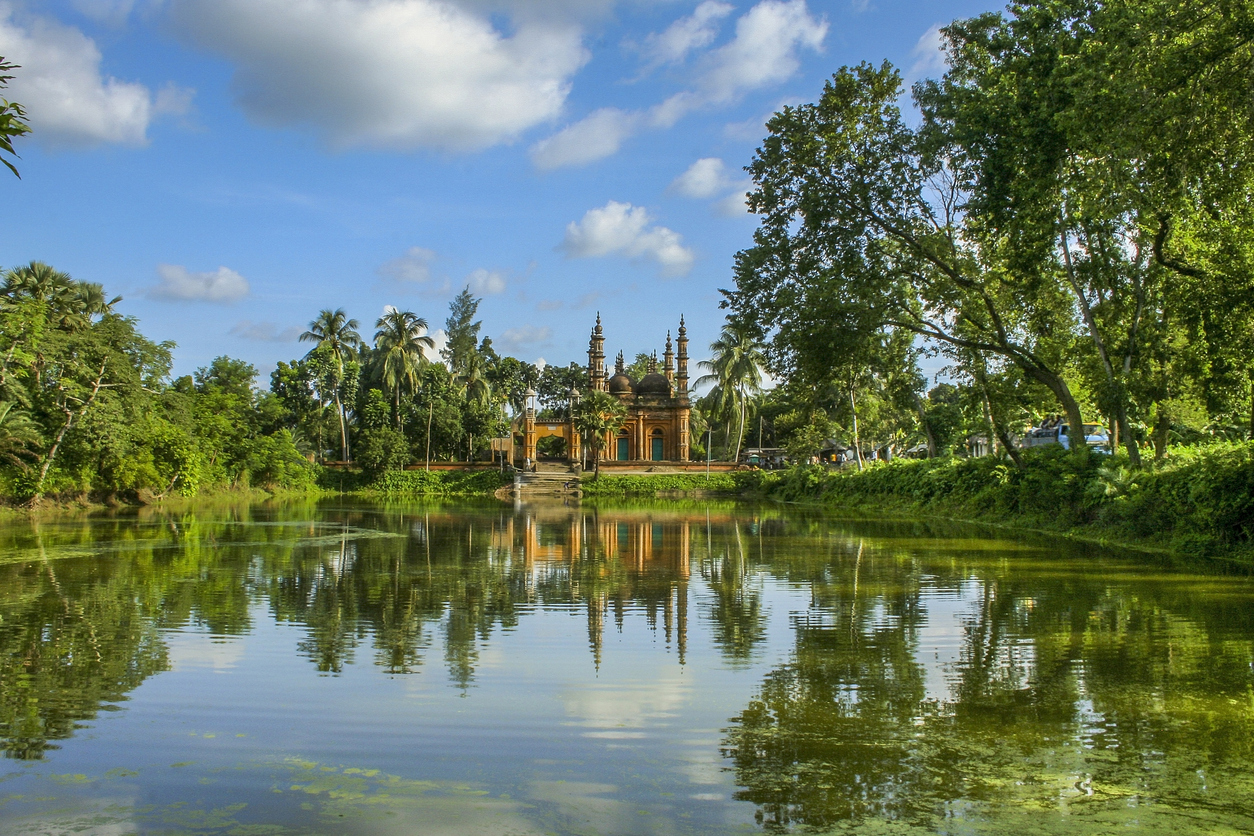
(231, 167)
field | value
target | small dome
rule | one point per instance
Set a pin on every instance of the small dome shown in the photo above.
(620, 384)
(654, 384)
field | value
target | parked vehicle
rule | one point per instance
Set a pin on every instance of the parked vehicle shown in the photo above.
(1095, 436)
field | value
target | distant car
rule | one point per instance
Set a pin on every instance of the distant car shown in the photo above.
(1095, 436)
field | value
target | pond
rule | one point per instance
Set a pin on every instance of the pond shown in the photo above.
(342, 668)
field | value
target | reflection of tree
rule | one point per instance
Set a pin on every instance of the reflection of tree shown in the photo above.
(1117, 697)
(736, 614)
(73, 637)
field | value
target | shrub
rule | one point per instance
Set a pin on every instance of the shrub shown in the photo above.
(381, 449)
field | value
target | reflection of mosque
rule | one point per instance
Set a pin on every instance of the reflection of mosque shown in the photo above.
(613, 565)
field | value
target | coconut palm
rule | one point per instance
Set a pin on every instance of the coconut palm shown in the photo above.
(736, 369)
(401, 344)
(599, 415)
(338, 333)
(19, 437)
(474, 385)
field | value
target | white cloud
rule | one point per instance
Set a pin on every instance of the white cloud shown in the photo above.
(550, 305)
(622, 229)
(177, 283)
(598, 135)
(928, 54)
(515, 340)
(389, 73)
(764, 51)
(686, 34)
(414, 266)
(265, 332)
(486, 282)
(440, 339)
(68, 100)
(704, 178)
(735, 204)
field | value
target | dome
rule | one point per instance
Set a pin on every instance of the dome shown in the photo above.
(654, 384)
(620, 384)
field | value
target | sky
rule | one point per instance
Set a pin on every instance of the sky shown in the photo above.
(232, 167)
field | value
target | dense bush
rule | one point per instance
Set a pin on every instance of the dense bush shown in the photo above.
(382, 449)
(651, 485)
(1200, 501)
(438, 482)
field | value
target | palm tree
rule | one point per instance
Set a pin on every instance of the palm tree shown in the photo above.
(19, 437)
(39, 282)
(401, 343)
(736, 368)
(473, 383)
(338, 333)
(598, 415)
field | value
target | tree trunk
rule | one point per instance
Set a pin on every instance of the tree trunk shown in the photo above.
(339, 411)
(927, 430)
(740, 436)
(430, 412)
(857, 442)
(1162, 428)
(70, 416)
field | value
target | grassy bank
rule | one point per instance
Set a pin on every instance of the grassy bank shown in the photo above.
(450, 483)
(720, 484)
(1199, 502)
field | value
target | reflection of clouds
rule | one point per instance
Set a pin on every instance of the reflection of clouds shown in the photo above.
(193, 651)
(616, 708)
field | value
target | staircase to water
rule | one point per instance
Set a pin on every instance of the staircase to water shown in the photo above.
(550, 479)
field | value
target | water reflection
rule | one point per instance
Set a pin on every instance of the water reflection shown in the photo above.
(896, 676)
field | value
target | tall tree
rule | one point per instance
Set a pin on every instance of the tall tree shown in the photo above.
(598, 416)
(736, 368)
(402, 344)
(860, 213)
(462, 330)
(333, 331)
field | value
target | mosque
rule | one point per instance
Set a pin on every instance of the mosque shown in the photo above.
(658, 408)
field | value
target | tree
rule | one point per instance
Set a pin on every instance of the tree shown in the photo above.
(19, 437)
(736, 369)
(337, 334)
(462, 330)
(402, 344)
(599, 415)
(863, 217)
(11, 116)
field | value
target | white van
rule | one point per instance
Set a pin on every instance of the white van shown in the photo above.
(1095, 436)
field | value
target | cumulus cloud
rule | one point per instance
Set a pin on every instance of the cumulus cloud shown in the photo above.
(764, 51)
(388, 73)
(440, 339)
(623, 230)
(696, 31)
(928, 54)
(515, 340)
(413, 267)
(67, 98)
(704, 178)
(265, 332)
(596, 136)
(177, 283)
(486, 282)
(735, 203)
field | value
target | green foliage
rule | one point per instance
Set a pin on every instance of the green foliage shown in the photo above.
(462, 331)
(382, 449)
(274, 462)
(653, 484)
(12, 115)
(1200, 501)
(438, 483)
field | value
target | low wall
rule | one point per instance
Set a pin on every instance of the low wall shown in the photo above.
(667, 467)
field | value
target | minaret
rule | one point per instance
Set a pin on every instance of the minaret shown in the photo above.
(681, 375)
(596, 357)
(620, 367)
(669, 361)
(653, 364)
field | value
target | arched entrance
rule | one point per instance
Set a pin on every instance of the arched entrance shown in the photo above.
(657, 445)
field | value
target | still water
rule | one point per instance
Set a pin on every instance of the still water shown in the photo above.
(393, 669)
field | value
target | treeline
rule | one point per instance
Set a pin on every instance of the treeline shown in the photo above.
(1067, 221)
(88, 406)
